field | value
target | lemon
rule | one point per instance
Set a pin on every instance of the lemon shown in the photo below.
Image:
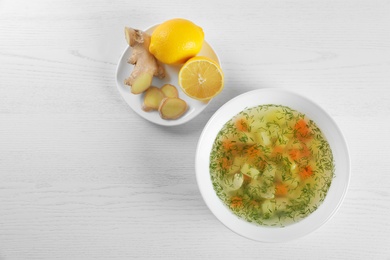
(201, 78)
(176, 40)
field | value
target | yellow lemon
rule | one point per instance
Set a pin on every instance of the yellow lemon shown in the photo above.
(175, 41)
(201, 78)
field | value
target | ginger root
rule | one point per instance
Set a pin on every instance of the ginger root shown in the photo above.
(172, 108)
(152, 99)
(166, 100)
(145, 64)
(170, 90)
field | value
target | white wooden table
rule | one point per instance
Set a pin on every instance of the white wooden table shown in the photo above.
(82, 176)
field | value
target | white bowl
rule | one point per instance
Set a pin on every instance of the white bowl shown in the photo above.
(195, 107)
(336, 192)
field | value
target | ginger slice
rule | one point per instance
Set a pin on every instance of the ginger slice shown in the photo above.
(172, 108)
(145, 64)
(170, 90)
(152, 99)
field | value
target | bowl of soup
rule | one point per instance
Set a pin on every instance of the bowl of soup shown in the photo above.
(272, 165)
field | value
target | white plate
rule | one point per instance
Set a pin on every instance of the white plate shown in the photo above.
(195, 107)
(334, 136)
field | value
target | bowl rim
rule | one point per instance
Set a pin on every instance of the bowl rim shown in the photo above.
(229, 219)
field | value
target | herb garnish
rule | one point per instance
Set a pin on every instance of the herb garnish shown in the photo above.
(276, 149)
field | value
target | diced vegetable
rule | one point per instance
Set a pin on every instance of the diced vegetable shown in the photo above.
(281, 189)
(238, 162)
(263, 165)
(236, 202)
(250, 170)
(266, 138)
(268, 207)
(269, 172)
(302, 128)
(306, 172)
(241, 124)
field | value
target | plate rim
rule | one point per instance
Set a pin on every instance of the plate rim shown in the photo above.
(167, 123)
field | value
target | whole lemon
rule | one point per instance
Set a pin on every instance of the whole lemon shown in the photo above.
(176, 40)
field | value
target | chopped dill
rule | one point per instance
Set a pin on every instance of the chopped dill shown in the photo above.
(285, 160)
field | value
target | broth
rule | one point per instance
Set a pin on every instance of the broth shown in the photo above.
(271, 165)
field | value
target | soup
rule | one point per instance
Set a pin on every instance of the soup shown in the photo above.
(271, 165)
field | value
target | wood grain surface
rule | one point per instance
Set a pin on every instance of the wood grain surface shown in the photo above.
(82, 176)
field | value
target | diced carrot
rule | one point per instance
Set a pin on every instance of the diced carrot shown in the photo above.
(261, 164)
(277, 150)
(305, 152)
(281, 189)
(253, 152)
(225, 163)
(306, 172)
(295, 154)
(247, 178)
(236, 202)
(242, 124)
(302, 128)
(227, 145)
